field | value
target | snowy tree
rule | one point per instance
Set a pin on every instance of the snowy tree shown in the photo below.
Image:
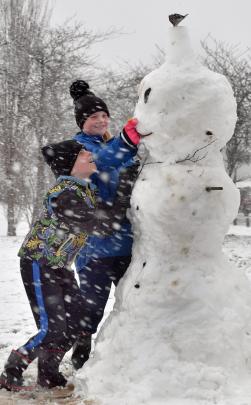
(235, 65)
(38, 64)
(19, 28)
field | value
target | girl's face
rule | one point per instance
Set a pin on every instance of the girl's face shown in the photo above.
(84, 166)
(96, 124)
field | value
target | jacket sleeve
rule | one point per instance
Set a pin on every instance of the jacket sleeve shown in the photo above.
(101, 220)
(113, 154)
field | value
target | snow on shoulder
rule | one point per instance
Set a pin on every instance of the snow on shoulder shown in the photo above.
(180, 332)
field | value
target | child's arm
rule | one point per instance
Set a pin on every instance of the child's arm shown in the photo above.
(104, 218)
(120, 150)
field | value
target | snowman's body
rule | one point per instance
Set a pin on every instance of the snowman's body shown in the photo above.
(181, 324)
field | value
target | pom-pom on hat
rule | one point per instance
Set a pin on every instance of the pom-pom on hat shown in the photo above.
(85, 102)
(61, 156)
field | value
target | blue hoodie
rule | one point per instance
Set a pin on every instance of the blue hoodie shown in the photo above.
(109, 157)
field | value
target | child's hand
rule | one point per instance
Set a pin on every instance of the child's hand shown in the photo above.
(130, 134)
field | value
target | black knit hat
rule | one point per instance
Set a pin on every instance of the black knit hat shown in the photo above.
(85, 102)
(61, 156)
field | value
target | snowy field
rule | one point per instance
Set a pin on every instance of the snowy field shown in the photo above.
(16, 321)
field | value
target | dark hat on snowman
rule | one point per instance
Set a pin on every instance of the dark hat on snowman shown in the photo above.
(85, 102)
(61, 156)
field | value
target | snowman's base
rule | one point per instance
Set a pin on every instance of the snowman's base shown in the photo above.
(242, 400)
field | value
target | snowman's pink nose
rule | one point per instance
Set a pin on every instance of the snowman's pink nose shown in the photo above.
(133, 121)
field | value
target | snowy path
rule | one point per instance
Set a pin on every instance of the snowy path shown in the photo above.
(16, 321)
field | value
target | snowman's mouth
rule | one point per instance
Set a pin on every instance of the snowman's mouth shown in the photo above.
(150, 133)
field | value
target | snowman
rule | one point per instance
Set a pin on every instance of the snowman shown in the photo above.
(180, 330)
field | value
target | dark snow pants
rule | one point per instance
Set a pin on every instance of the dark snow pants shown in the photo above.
(57, 306)
(95, 283)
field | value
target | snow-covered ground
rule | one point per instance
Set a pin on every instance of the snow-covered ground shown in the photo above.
(16, 321)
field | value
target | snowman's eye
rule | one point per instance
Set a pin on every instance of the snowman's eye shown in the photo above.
(146, 94)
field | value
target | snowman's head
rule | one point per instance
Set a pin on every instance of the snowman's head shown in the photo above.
(184, 108)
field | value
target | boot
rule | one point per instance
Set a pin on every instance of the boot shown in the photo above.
(48, 369)
(81, 350)
(11, 379)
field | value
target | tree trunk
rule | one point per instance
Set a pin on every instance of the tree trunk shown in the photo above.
(40, 136)
(40, 188)
(11, 230)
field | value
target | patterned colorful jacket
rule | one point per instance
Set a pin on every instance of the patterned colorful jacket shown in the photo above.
(70, 214)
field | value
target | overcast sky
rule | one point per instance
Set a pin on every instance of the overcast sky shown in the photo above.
(146, 22)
